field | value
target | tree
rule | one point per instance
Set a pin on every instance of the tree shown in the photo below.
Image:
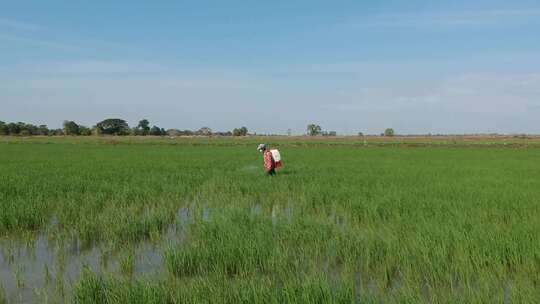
(243, 131)
(3, 128)
(85, 131)
(71, 128)
(57, 132)
(13, 128)
(360, 134)
(21, 126)
(113, 126)
(332, 133)
(143, 127)
(31, 129)
(156, 131)
(43, 130)
(206, 131)
(313, 130)
(389, 132)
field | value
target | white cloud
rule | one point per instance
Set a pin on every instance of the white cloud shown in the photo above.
(59, 73)
(82, 68)
(29, 34)
(18, 25)
(474, 92)
(88, 91)
(455, 19)
(505, 103)
(37, 42)
(182, 97)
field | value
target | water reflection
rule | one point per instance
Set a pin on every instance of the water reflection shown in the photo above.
(44, 267)
(38, 269)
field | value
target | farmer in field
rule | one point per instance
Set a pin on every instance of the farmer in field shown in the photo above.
(272, 159)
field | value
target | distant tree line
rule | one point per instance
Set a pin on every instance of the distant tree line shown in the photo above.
(110, 126)
(243, 131)
(316, 130)
(24, 129)
(119, 127)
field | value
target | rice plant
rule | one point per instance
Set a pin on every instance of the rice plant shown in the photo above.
(341, 222)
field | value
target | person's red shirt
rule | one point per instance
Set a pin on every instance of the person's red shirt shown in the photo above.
(269, 163)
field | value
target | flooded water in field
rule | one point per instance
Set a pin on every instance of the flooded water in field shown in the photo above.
(33, 271)
(40, 269)
(256, 209)
(44, 268)
(182, 216)
(206, 214)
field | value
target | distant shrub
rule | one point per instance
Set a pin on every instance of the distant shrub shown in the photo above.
(25, 133)
(143, 128)
(71, 128)
(113, 126)
(205, 131)
(389, 132)
(3, 128)
(85, 131)
(243, 131)
(313, 130)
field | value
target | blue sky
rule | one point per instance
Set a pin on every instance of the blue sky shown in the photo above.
(350, 66)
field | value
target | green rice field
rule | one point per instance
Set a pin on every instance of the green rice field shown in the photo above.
(108, 220)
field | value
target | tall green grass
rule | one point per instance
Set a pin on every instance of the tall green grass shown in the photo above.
(3, 297)
(338, 223)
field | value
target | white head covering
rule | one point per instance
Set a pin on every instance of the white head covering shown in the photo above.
(261, 147)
